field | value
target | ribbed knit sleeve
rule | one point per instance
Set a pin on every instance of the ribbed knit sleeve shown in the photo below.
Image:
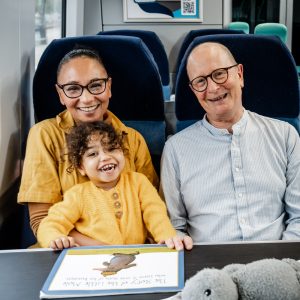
(60, 220)
(154, 211)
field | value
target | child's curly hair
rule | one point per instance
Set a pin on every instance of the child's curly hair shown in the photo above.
(80, 135)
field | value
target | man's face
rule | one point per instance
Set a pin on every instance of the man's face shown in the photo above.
(220, 101)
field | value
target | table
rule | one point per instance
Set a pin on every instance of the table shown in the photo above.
(23, 272)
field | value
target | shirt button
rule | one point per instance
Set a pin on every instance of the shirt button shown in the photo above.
(115, 196)
(118, 214)
(240, 195)
(117, 204)
(237, 169)
(243, 221)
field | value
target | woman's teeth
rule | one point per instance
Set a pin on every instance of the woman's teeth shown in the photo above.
(87, 109)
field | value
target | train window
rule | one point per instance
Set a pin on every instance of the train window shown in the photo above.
(49, 23)
(255, 11)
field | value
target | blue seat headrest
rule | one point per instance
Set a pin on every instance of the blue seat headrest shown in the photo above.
(201, 32)
(136, 86)
(154, 44)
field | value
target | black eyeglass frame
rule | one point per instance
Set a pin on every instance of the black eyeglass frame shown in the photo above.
(62, 86)
(211, 77)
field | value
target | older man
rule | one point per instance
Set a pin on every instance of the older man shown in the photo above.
(234, 175)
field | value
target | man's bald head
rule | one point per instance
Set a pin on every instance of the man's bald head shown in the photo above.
(211, 47)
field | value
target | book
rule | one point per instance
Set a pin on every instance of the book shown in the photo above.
(113, 270)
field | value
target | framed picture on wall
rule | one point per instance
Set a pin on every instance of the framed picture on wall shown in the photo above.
(163, 10)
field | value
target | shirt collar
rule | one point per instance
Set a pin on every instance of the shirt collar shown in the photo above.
(238, 128)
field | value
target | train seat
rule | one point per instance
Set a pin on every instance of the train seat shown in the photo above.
(277, 29)
(156, 47)
(200, 32)
(271, 80)
(137, 97)
(244, 26)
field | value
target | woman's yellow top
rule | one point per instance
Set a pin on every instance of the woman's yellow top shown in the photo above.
(45, 178)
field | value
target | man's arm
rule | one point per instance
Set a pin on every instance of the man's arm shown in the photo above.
(292, 193)
(170, 188)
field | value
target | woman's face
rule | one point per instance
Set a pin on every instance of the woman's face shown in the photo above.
(84, 70)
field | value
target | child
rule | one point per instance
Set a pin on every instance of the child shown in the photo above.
(114, 207)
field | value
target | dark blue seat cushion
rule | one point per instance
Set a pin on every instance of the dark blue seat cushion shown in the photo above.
(155, 136)
(200, 32)
(155, 46)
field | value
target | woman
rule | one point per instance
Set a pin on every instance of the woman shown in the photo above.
(84, 87)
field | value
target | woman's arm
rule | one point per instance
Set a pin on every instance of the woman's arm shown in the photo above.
(37, 212)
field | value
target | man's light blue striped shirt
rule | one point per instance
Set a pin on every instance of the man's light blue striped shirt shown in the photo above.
(229, 187)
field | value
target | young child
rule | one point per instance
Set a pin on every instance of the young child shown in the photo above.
(114, 207)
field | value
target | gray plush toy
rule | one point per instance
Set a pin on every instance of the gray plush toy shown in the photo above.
(260, 280)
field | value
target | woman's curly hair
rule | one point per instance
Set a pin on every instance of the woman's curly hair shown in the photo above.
(80, 135)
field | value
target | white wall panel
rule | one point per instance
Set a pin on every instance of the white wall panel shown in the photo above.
(16, 71)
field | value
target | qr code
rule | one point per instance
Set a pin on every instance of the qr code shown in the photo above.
(188, 7)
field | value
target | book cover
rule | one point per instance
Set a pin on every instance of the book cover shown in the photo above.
(113, 270)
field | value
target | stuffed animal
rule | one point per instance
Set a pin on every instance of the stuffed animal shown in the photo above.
(259, 280)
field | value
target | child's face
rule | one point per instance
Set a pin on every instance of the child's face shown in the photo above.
(103, 167)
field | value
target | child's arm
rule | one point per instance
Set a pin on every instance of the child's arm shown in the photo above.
(83, 240)
(62, 243)
(178, 242)
(156, 218)
(58, 223)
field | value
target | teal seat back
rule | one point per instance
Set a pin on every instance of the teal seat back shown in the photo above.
(272, 29)
(239, 26)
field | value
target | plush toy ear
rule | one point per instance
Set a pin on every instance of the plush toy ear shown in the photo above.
(235, 279)
(293, 263)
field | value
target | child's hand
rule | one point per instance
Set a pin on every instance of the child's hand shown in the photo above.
(63, 242)
(179, 242)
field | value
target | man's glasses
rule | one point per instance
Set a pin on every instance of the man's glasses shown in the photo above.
(219, 76)
(72, 90)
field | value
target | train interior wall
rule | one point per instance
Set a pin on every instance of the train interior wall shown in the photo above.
(17, 68)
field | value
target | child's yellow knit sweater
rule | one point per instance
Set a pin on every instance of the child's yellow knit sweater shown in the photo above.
(121, 215)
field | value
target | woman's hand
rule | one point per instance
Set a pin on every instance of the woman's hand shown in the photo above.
(179, 242)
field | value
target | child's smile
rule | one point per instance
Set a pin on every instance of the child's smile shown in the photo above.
(102, 166)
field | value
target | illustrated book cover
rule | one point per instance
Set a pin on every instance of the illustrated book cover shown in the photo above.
(113, 270)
